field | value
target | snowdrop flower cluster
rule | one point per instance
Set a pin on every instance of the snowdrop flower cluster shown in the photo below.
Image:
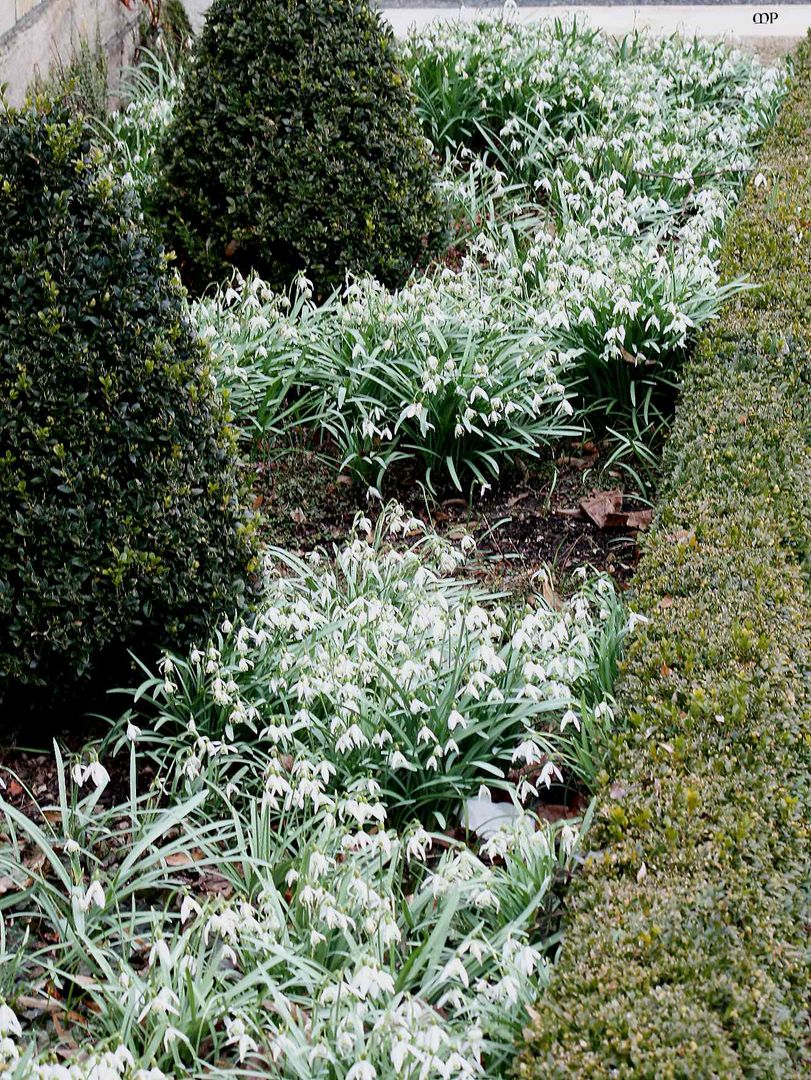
(448, 370)
(289, 897)
(135, 130)
(631, 155)
(593, 180)
(118, 1064)
(383, 665)
(336, 931)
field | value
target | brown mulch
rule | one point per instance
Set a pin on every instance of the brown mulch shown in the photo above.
(534, 518)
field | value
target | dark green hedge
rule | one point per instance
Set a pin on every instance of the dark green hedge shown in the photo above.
(687, 950)
(122, 524)
(294, 146)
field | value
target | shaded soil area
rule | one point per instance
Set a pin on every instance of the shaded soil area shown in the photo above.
(533, 519)
(29, 778)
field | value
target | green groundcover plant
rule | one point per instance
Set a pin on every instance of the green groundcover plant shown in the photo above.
(120, 503)
(294, 145)
(280, 900)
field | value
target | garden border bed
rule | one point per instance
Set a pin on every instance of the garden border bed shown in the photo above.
(686, 952)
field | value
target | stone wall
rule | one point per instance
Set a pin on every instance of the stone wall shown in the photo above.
(35, 33)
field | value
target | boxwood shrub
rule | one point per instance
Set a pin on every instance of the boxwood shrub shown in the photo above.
(120, 508)
(687, 952)
(295, 145)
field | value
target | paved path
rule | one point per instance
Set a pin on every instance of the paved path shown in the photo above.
(733, 22)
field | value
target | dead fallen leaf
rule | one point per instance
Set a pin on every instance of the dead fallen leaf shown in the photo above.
(10, 884)
(601, 505)
(604, 508)
(215, 884)
(298, 516)
(62, 1034)
(38, 1005)
(665, 602)
(549, 594)
(184, 858)
(638, 519)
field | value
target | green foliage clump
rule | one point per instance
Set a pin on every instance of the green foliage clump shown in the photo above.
(687, 950)
(120, 505)
(295, 145)
(80, 84)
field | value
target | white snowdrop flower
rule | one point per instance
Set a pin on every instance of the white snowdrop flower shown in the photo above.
(160, 951)
(98, 774)
(308, 896)
(570, 717)
(370, 982)
(568, 839)
(237, 1035)
(9, 1023)
(455, 970)
(455, 720)
(189, 909)
(401, 1050)
(417, 845)
(79, 773)
(549, 773)
(527, 960)
(353, 738)
(399, 761)
(173, 1035)
(635, 619)
(507, 990)
(485, 898)
(94, 894)
(133, 732)
(528, 752)
(362, 1070)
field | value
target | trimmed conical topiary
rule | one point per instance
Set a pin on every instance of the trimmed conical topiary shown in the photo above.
(121, 524)
(295, 146)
